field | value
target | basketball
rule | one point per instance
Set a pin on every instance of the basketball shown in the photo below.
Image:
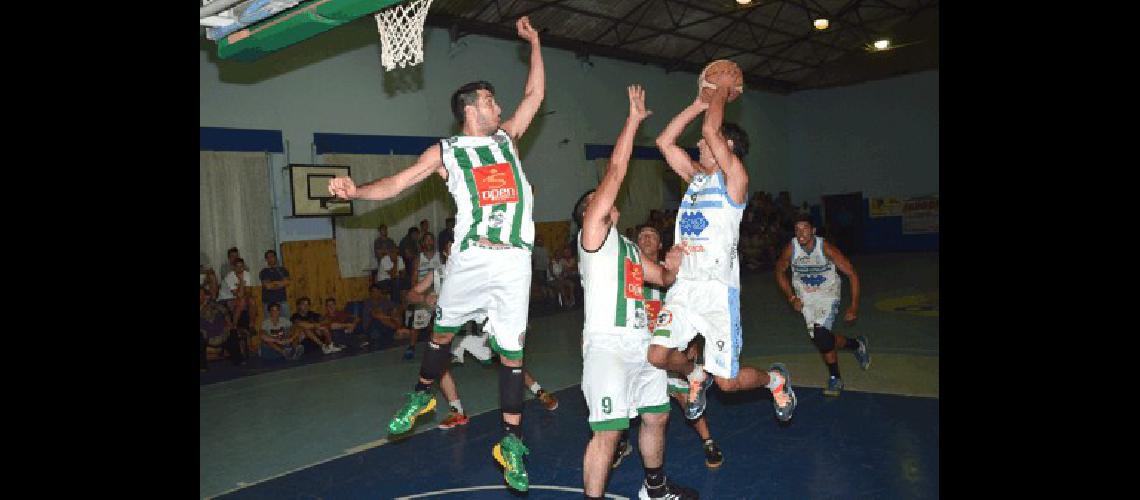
(721, 72)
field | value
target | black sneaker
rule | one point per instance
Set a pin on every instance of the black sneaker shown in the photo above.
(667, 491)
(623, 450)
(713, 457)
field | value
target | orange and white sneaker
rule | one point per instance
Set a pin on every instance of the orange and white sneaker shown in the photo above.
(454, 419)
(547, 399)
(783, 397)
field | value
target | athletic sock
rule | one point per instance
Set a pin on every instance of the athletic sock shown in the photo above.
(833, 369)
(654, 478)
(513, 429)
(535, 387)
(457, 406)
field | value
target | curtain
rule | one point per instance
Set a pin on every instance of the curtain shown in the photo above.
(234, 208)
(354, 235)
(640, 191)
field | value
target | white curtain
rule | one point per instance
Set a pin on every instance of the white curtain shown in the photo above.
(641, 191)
(234, 208)
(354, 235)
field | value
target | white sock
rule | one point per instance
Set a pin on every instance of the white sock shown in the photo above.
(776, 380)
(697, 375)
(535, 387)
(457, 406)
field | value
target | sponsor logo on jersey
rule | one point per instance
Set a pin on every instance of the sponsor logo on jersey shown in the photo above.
(497, 219)
(634, 281)
(496, 184)
(693, 223)
(664, 318)
(652, 309)
(640, 319)
(812, 280)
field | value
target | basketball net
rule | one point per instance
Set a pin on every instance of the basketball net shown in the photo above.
(401, 29)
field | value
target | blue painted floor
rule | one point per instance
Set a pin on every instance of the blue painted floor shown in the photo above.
(860, 445)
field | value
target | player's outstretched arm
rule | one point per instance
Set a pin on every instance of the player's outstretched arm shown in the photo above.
(674, 155)
(594, 227)
(663, 275)
(782, 265)
(535, 83)
(832, 253)
(430, 161)
(735, 176)
(418, 293)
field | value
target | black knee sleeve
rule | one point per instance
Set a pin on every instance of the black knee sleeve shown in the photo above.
(511, 389)
(824, 339)
(435, 361)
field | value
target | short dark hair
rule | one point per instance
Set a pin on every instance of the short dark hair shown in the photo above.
(303, 299)
(647, 226)
(413, 229)
(232, 250)
(274, 305)
(467, 95)
(330, 299)
(580, 208)
(803, 218)
(240, 260)
(270, 251)
(738, 136)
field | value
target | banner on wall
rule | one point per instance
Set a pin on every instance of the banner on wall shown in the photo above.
(886, 207)
(920, 215)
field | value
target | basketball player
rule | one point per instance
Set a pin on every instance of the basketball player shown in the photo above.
(489, 269)
(705, 300)
(617, 381)
(649, 242)
(813, 262)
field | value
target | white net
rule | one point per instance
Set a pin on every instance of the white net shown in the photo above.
(401, 30)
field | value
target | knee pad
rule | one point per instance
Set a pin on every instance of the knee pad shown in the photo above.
(435, 361)
(824, 339)
(511, 389)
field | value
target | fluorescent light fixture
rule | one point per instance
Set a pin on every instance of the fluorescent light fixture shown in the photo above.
(883, 44)
(820, 24)
(743, 2)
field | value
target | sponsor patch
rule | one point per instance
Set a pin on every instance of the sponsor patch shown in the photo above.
(496, 184)
(652, 308)
(634, 280)
(664, 318)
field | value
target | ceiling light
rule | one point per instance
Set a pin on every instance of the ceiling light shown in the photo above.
(743, 2)
(820, 24)
(882, 44)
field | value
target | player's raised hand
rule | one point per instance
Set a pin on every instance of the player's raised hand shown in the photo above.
(526, 31)
(637, 108)
(342, 187)
(673, 258)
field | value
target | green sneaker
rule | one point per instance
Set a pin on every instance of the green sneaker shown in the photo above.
(509, 453)
(418, 403)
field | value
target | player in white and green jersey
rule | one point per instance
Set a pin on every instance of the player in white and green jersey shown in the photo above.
(617, 381)
(705, 300)
(489, 270)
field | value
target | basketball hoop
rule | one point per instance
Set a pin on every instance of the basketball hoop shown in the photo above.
(401, 29)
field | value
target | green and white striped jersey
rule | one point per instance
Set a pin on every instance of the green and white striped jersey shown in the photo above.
(613, 280)
(492, 196)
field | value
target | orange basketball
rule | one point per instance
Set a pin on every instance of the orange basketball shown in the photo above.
(721, 73)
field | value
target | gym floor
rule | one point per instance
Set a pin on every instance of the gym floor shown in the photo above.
(317, 430)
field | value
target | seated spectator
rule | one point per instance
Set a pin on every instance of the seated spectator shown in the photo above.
(409, 246)
(393, 272)
(274, 280)
(309, 323)
(278, 337)
(210, 280)
(237, 295)
(429, 259)
(215, 330)
(566, 277)
(338, 319)
(380, 321)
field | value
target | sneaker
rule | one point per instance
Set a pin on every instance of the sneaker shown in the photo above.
(784, 394)
(363, 344)
(326, 349)
(623, 450)
(335, 348)
(548, 400)
(713, 457)
(861, 353)
(409, 353)
(667, 491)
(509, 453)
(419, 403)
(298, 352)
(695, 409)
(454, 419)
(834, 386)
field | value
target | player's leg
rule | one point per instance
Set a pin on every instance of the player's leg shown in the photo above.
(596, 461)
(606, 390)
(547, 399)
(507, 288)
(650, 392)
(421, 400)
(455, 415)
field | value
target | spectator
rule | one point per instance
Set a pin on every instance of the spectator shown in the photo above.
(338, 319)
(274, 279)
(446, 237)
(425, 228)
(566, 275)
(409, 247)
(236, 294)
(278, 337)
(309, 323)
(380, 314)
(210, 281)
(539, 261)
(215, 330)
(393, 272)
(382, 243)
(429, 259)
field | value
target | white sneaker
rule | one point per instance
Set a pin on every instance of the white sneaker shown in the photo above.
(335, 348)
(326, 349)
